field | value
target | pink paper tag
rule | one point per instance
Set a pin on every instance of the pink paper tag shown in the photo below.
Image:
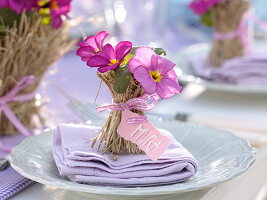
(144, 134)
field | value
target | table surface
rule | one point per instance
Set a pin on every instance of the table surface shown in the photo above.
(195, 99)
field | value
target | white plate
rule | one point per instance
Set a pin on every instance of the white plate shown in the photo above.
(186, 74)
(221, 156)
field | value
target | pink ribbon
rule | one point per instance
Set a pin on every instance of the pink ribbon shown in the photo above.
(12, 96)
(241, 31)
(139, 103)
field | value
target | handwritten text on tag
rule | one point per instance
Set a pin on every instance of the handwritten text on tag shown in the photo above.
(144, 134)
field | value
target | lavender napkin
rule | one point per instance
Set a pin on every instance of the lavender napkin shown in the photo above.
(248, 70)
(76, 159)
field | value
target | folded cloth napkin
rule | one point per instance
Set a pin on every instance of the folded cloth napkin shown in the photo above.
(248, 70)
(76, 159)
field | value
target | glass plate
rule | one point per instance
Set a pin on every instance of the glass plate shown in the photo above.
(221, 156)
(186, 74)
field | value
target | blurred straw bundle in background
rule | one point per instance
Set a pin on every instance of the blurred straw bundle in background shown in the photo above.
(27, 47)
(226, 17)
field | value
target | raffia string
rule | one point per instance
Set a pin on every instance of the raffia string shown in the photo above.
(108, 138)
(28, 48)
(139, 103)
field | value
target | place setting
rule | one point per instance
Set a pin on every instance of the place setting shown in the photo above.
(130, 146)
(233, 62)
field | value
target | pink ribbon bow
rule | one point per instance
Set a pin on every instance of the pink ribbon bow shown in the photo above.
(12, 96)
(140, 103)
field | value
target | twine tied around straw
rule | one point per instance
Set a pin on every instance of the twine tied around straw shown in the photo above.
(140, 103)
(12, 96)
(239, 32)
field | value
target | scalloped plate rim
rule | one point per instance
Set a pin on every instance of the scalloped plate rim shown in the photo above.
(134, 191)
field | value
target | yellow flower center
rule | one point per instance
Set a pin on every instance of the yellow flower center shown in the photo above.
(46, 4)
(44, 11)
(41, 3)
(46, 20)
(127, 59)
(113, 61)
(54, 5)
(155, 75)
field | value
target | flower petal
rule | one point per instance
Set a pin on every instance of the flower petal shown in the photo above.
(85, 52)
(149, 87)
(141, 74)
(89, 41)
(100, 37)
(107, 68)
(134, 63)
(170, 74)
(163, 91)
(165, 65)
(3, 4)
(171, 83)
(108, 52)
(144, 54)
(56, 21)
(122, 49)
(167, 88)
(154, 63)
(97, 61)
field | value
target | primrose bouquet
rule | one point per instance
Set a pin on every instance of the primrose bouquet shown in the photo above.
(33, 34)
(228, 18)
(137, 78)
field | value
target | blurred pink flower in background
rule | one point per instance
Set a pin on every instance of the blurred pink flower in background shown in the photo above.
(91, 45)
(59, 8)
(154, 73)
(54, 10)
(200, 7)
(18, 5)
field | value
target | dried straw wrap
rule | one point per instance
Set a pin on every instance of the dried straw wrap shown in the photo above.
(226, 17)
(108, 137)
(28, 48)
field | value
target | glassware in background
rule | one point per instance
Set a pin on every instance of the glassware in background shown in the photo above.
(92, 17)
(167, 23)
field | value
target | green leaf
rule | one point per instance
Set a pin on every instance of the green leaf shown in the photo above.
(122, 79)
(206, 19)
(8, 17)
(160, 51)
(133, 49)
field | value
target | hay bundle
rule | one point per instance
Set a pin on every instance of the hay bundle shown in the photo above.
(27, 48)
(108, 136)
(226, 17)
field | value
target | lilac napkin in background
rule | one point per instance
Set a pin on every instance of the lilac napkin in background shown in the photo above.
(11, 182)
(248, 70)
(76, 159)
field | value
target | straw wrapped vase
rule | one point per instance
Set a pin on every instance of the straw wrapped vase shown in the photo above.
(108, 136)
(27, 48)
(226, 17)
